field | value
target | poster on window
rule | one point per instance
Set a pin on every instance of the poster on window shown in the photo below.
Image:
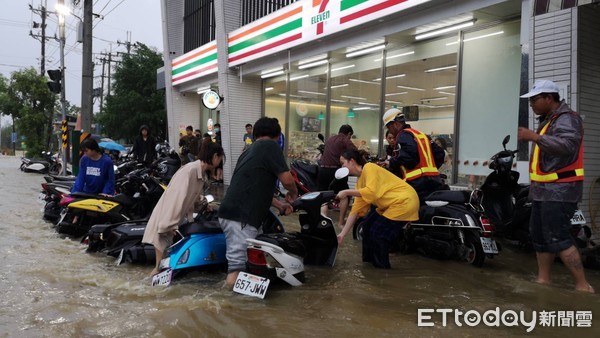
(311, 124)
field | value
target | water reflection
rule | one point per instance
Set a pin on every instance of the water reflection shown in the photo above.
(52, 288)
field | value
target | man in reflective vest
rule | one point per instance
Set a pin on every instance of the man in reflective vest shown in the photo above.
(556, 174)
(415, 159)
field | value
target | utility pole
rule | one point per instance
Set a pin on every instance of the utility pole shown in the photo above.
(42, 12)
(107, 60)
(61, 30)
(87, 72)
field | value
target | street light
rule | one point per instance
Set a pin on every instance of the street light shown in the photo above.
(62, 10)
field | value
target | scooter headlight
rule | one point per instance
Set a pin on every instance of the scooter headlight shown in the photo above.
(184, 258)
(164, 263)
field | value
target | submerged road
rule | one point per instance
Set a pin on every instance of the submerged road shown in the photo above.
(51, 288)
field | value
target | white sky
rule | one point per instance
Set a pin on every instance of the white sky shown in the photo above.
(139, 19)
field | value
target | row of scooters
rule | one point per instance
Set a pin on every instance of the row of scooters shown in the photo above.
(464, 224)
(453, 224)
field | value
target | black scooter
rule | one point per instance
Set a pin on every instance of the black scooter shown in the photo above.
(507, 204)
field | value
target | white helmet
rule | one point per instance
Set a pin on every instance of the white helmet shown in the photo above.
(391, 115)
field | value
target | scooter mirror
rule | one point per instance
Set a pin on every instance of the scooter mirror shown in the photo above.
(505, 141)
(341, 173)
(321, 137)
(209, 198)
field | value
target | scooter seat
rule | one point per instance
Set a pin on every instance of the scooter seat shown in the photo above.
(450, 196)
(306, 166)
(287, 241)
(210, 227)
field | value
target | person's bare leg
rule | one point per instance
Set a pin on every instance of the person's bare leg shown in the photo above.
(231, 277)
(544, 260)
(572, 261)
(159, 256)
(343, 205)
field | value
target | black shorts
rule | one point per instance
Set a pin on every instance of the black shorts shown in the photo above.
(550, 226)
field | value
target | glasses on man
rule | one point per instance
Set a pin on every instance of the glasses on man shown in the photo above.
(534, 98)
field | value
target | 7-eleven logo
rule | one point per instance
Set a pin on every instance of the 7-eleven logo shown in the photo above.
(322, 14)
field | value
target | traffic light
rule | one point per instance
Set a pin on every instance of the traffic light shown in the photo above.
(54, 85)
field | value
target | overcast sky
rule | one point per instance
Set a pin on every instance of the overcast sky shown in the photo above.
(138, 19)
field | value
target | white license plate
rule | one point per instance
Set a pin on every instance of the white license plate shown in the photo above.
(251, 285)
(42, 197)
(578, 218)
(489, 245)
(162, 278)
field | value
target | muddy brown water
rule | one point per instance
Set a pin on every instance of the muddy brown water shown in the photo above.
(51, 288)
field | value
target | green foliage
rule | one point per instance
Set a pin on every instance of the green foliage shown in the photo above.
(134, 100)
(27, 99)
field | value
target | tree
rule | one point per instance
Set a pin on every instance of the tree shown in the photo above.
(135, 101)
(27, 99)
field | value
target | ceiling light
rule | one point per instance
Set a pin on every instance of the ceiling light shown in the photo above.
(444, 87)
(364, 81)
(268, 88)
(396, 56)
(390, 77)
(336, 100)
(267, 75)
(313, 59)
(447, 93)
(400, 93)
(312, 64)
(360, 108)
(434, 98)
(339, 86)
(313, 93)
(354, 97)
(445, 30)
(299, 77)
(340, 68)
(368, 104)
(476, 38)
(272, 70)
(412, 88)
(394, 102)
(365, 51)
(439, 69)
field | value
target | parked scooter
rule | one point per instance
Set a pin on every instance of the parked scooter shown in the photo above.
(451, 225)
(507, 204)
(139, 193)
(305, 172)
(49, 164)
(51, 195)
(282, 256)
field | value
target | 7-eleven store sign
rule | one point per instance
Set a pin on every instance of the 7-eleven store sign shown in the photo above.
(304, 21)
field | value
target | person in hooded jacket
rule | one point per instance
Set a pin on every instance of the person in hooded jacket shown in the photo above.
(144, 147)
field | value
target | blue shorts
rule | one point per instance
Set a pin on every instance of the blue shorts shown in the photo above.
(550, 226)
(235, 240)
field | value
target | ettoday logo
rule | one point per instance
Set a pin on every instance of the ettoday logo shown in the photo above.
(497, 317)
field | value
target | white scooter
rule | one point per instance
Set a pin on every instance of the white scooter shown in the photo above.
(282, 256)
(51, 164)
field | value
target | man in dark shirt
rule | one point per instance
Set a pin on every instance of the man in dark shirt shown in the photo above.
(330, 162)
(250, 195)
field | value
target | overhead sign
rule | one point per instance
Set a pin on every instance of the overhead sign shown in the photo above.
(211, 99)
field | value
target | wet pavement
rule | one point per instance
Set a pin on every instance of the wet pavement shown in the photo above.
(51, 288)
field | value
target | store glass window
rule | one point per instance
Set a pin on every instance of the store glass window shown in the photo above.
(489, 97)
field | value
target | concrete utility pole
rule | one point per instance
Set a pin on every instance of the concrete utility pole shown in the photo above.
(61, 30)
(42, 13)
(87, 71)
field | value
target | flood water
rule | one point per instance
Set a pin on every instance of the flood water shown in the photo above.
(50, 287)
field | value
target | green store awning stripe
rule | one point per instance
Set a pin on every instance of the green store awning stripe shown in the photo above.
(273, 33)
(194, 64)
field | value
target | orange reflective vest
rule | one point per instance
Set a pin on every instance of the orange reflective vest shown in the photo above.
(426, 165)
(571, 173)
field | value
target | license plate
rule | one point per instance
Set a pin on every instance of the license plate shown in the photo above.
(42, 197)
(578, 218)
(251, 285)
(489, 245)
(120, 258)
(162, 278)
